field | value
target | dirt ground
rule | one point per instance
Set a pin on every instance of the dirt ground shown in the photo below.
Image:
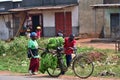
(62, 77)
(88, 43)
(96, 44)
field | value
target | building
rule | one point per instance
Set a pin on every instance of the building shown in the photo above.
(53, 16)
(7, 27)
(89, 24)
(111, 17)
(85, 18)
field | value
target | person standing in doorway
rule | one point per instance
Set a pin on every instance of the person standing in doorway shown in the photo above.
(38, 31)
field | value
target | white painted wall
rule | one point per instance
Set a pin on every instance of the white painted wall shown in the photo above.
(48, 19)
(75, 18)
(49, 16)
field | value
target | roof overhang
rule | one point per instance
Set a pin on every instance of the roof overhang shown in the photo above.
(5, 13)
(106, 6)
(42, 8)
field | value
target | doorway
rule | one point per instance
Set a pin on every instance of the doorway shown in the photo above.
(35, 22)
(115, 25)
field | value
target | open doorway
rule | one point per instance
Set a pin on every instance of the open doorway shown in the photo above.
(115, 25)
(35, 22)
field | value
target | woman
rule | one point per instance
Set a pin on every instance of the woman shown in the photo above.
(33, 48)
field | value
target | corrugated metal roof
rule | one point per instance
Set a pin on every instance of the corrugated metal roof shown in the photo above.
(106, 6)
(42, 8)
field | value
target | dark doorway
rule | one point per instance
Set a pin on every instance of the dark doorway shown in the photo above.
(115, 24)
(35, 22)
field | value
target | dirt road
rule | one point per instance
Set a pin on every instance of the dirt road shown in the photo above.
(96, 44)
(5, 75)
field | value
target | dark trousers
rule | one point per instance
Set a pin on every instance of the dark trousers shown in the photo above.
(68, 59)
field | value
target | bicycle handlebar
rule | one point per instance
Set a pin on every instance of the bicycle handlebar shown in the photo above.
(61, 49)
(41, 48)
(73, 48)
(53, 51)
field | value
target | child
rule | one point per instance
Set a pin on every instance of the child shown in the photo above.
(28, 33)
(38, 31)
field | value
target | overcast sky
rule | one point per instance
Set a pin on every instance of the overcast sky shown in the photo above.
(9, 0)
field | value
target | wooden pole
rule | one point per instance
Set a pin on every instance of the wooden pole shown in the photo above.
(22, 17)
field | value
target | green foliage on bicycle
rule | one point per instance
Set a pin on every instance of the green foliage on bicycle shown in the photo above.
(50, 61)
(53, 43)
(47, 61)
(64, 60)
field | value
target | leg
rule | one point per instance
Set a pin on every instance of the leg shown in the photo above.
(68, 60)
(36, 65)
(31, 64)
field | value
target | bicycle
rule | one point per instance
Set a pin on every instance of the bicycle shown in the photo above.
(82, 66)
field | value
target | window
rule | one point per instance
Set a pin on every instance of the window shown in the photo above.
(111, 1)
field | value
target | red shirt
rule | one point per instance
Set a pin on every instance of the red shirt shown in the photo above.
(38, 33)
(68, 44)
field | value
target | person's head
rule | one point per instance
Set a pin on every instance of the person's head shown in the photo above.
(33, 35)
(59, 35)
(28, 30)
(38, 28)
(71, 37)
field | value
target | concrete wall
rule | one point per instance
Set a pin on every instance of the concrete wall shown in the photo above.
(87, 18)
(107, 30)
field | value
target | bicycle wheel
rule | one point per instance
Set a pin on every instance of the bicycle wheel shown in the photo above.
(61, 69)
(83, 67)
(54, 72)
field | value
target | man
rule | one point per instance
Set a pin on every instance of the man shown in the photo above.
(69, 45)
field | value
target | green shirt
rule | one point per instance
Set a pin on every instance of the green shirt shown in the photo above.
(33, 45)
